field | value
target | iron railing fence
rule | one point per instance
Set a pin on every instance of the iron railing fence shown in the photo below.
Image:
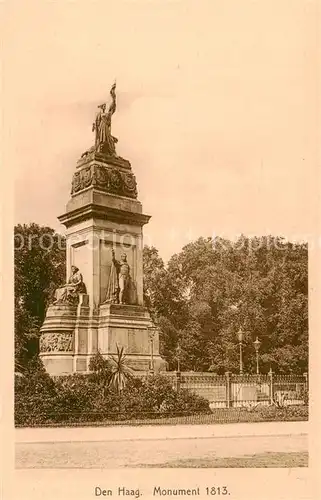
(232, 390)
(232, 398)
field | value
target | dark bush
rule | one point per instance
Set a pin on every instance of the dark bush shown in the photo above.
(76, 398)
(81, 399)
(154, 396)
(35, 395)
(39, 399)
(286, 413)
(101, 370)
(304, 395)
(191, 404)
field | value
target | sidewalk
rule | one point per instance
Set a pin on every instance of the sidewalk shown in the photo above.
(130, 433)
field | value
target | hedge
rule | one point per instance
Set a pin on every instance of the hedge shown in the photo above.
(39, 400)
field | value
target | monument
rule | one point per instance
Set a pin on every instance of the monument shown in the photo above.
(101, 304)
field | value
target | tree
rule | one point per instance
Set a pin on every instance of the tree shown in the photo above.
(163, 293)
(258, 284)
(39, 258)
(165, 299)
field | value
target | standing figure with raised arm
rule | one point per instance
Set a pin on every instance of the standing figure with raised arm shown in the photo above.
(104, 140)
(119, 281)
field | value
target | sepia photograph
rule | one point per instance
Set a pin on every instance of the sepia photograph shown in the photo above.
(164, 179)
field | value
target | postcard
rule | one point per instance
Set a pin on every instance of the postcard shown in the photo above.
(160, 254)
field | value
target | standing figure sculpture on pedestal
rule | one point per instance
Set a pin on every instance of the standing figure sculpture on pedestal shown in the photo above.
(119, 281)
(113, 285)
(123, 279)
(104, 141)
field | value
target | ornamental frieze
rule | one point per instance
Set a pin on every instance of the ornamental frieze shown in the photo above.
(56, 342)
(108, 179)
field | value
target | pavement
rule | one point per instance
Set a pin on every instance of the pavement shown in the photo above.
(126, 432)
(153, 446)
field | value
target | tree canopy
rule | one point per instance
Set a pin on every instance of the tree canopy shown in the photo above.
(39, 259)
(212, 288)
(200, 300)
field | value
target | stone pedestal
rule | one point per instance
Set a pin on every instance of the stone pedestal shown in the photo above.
(129, 326)
(102, 214)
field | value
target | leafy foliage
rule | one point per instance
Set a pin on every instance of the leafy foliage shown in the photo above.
(287, 413)
(120, 373)
(39, 258)
(79, 398)
(35, 394)
(214, 286)
(199, 300)
(101, 371)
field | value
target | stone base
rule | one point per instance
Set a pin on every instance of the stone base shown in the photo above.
(70, 336)
(58, 364)
(101, 157)
(128, 326)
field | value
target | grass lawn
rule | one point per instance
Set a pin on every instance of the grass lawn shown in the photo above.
(269, 459)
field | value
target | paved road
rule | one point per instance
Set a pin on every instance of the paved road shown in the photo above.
(115, 453)
(131, 432)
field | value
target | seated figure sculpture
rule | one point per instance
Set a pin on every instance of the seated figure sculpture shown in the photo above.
(69, 292)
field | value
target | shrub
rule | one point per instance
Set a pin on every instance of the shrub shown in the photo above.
(191, 404)
(41, 400)
(154, 396)
(35, 395)
(81, 398)
(285, 413)
(101, 370)
(304, 395)
(75, 398)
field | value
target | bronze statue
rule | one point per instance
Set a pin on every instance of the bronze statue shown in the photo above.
(113, 286)
(104, 141)
(123, 279)
(70, 291)
(119, 281)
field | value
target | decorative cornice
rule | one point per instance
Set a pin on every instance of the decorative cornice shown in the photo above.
(105, 178)
(92, 211)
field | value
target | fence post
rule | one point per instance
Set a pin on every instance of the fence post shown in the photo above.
(305, 375)
(271, 386)
(228, 389)
(174, 380)
(178, 381)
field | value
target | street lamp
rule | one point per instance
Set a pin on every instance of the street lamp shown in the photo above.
(151, 333)
(257, 345)
(241, 337)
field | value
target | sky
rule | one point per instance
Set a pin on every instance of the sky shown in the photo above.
(216, 110)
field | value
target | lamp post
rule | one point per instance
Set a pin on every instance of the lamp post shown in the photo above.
(151, 333)
(257, 345)
(241, 337)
